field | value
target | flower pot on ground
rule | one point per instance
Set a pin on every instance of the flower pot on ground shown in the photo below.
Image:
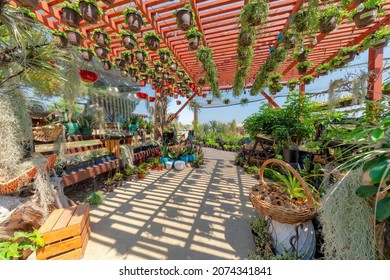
(152, 40)
(141, 55)
(184, 18)
(71, 14)
(165, 55)
(120, 63)
(73, 36)
(193, 36)
(329, 19)
(87, 54)
(365, 17)
(101, 52)
(118, 177)
(90, 11)
(59, 38)
(133, 19)
(141, 173)
(129, 40)
(101, 38)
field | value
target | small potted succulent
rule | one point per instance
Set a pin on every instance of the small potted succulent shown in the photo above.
(291, 84)
(59, 38)
(101, 52)
(86, 53)
(377, 40)
(165, 55)
(71, 14)
(143, 67)
(110, 185)
(73, 36)
(301, 54)
(107, 64)
(133, 19)
(348, 53)
(141, 55)
(307, 79)
(158, 67)
(120, 63)
(371, 10)
(129, 40)
(90, 10)
(152, 40)
(184, 17)
(172, 66)
(193, 36)
(128, 57)
(303, 66)
(101, 38)
(329, 18)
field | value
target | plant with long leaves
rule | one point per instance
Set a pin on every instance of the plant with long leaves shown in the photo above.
(205, 56)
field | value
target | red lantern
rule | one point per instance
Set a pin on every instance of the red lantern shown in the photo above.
(142, 95)
(170, 86)
(204, 95)
(165, 83)
(152, 99)
(176, 90)
(192, 85)
(88, 76)
(142, 83)
(178, 102)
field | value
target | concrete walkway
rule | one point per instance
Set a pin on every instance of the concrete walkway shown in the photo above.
(192, 214)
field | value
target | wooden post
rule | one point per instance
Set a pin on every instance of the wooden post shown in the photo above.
(375, 67)
(302, 88)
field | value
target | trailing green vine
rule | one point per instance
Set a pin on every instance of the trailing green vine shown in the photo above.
(205, 56)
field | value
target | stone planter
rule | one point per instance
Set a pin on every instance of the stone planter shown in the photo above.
(71, 17)
(134, 22)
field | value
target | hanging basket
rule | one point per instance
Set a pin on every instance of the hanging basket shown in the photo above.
(302, 70)
(134, 22)
(88, 76)
(365, 17)
(379, 44)
(108, 2)
(193, 42)
(184, 19)
(101, 52)
(89, 12)
(245, 39)
(152, 43)
(101, 39)
(120, 63)
(48, 133)
(129, 42)
(274, 206)
(28, 4)
(327, 26)
(302, 57)
(349, 57)
(140, 56)
(60, 41)
(164, 58)
(73, 37)
(87, 55)
(71, 17)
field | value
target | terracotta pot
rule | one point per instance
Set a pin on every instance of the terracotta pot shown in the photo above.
(134, 22)
(302, 70)
(101, 52)
(142, 67)
(152, 43)
(73, 38)
(380, 43)
(87, 55)
(184, 19)
(89, 12)
(349, 57)
(245, 39)
(158, 69)
(120, 63)
(71, 17)
(173, 67)
(60, 41)
(129, 42)
(106, 65)
(101, 39)
(327, 26)
(164, 58)
(139, 56)
(193, 42)
(28, 4)
(108, 2)
(365, 17)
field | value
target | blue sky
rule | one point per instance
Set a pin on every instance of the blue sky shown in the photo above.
(239, 113)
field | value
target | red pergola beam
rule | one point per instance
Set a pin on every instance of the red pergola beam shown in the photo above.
(375, 68)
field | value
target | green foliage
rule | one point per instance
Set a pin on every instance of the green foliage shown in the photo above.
(289, 184)
(307, 79)
(323, 67)
(204, 54)
(193, 32)
(146, 54)
(298, 52)
(304, 64)
(327, 14)
(369, 5)
(292, 83)
(129, 10)
(244, 101)
(118, 177)
(347, 50)
(199, 160)
(58, 33)
(275, 87)
(276, 76)
(85, 121)
(164, 151)
(95, 198)
(74, 30)
(151, 34)
(129, 171)
(373, 39)
(254, 12)
(164, 51)
(252, 169)
(279, 54)
(141, 171)
(226, 101)
(124, 32)
(12, 248)
(74, 7)
(81, 49)
(187, 7)
(158, 63)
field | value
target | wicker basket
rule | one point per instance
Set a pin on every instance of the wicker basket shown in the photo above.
(280, 213)
(48, 133)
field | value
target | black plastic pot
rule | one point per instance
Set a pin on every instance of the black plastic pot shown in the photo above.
(184, 19)
(290, 156)
(134, 22)
(365, 17)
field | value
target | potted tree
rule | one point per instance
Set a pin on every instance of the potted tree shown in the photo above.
(329, 18)
(143, 67)
(71, 14)
(158, 67)
(152, 40)
(291, 84)
(172, 66)
(193, 36)
(184, 17)
(120, 63)
(301, 54)
(307, 79)
(372, 9)
(133, 19)
(101, 38)
(86, 53)
(101, 52)
(59, 38)
(141, 55)
(377, 40)
(348, 53)
(303, 66)
(129, 40)
(90, 10)
(128, 57)
(73, 36)
(165, 55)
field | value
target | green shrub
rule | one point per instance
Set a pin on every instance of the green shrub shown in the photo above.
(95, 198)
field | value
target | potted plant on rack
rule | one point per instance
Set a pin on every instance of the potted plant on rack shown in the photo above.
(378, 39)
(329, 18)
(133, 19)
(152, 40)
(118, 179)
(165, 55)
(120, 63)
(291, 84)
(101, 52)
(193, 36)
(371, 10)
(151, 73)
(86, 53)
(172, 66)
(71, 14)
(128, 57)
(301, 20)
(59, 38)
(129, 40)
(90, 11)
(184, 17)
(303, 66)
(141, 173)
(141, 55)
(73, 36)
(158, 67)
(101, 38)
(323, 69)
(244, 101)
(107, 64)
(307, 79)
(301, 54)
(348, 53)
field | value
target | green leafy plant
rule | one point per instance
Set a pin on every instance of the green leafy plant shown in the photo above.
(193, 32)
(164, 51)
(307, 79)
(291, 84)
(74, 7)
(118, 177)
(158, 63)
(336, 62)
(141, 171)
(254, 12)
(151, 34)
(304, 50)
(74, 30)
(129, 171)
(373, 39)
(146, 54)
(327, 14)
(199, 160)
(87, 49)
(323, 68)
(204, 55)
(124, 32)
(370, 5)
(164, 151)
(129, 10)
(13, 248)
(95, 198)
(279, 54)
(244, 101)
(187, 7)
(252, 169)
(347, 50)
(276, 77)
(275, 87)
(58, 33)
(226, 101)
(304, 64)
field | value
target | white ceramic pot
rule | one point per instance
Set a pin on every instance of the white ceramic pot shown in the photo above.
(168, 165)
(180, 165)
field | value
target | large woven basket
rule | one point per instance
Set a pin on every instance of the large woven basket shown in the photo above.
(281, 213)
(47, 133)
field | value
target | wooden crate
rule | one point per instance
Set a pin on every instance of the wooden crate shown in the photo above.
(66, 233)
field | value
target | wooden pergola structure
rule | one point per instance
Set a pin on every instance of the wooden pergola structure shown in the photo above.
(218, 21)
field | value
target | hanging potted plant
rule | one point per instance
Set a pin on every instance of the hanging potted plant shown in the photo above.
(180, 74)
(275, 87)
(184, 17)
(186, 80)
(301, 54)
(132, 71)
(141, 55)
(158, 67)
(279, 55)
(120, 63)
(172, 66)
(348, 53)
(246, 36)
(165, 75)
(59, 38)
(128, 57)
(108, 2)
(178, 102)
(143, 67)
(129, 40)
(101, 38)
(165, 55)
(152, 40)
(203, 54)
(244, 101)
(301, 20)
(133, 19)
(201, 81)
(291, 84)
(90, 10)
(144, 77)
(337, 62)
(193, 36)
(226, 101)
(307, 79)
(209, 101)
(303, 66)
(124, 73)
(372, 9)
(290, 40)
(86, 53)
(377, 40)
(28, 4)
(323, 69)
(151, 73)
(254, 13)
(171, 80)
(71, 14)
(107, 65)
(134, 79)
(270, 65)
(73, 36)
(27, 18)
(101, 52)
(329, 18)
(274, 78)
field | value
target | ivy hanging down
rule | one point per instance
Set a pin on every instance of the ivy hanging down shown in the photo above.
(205, 55)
